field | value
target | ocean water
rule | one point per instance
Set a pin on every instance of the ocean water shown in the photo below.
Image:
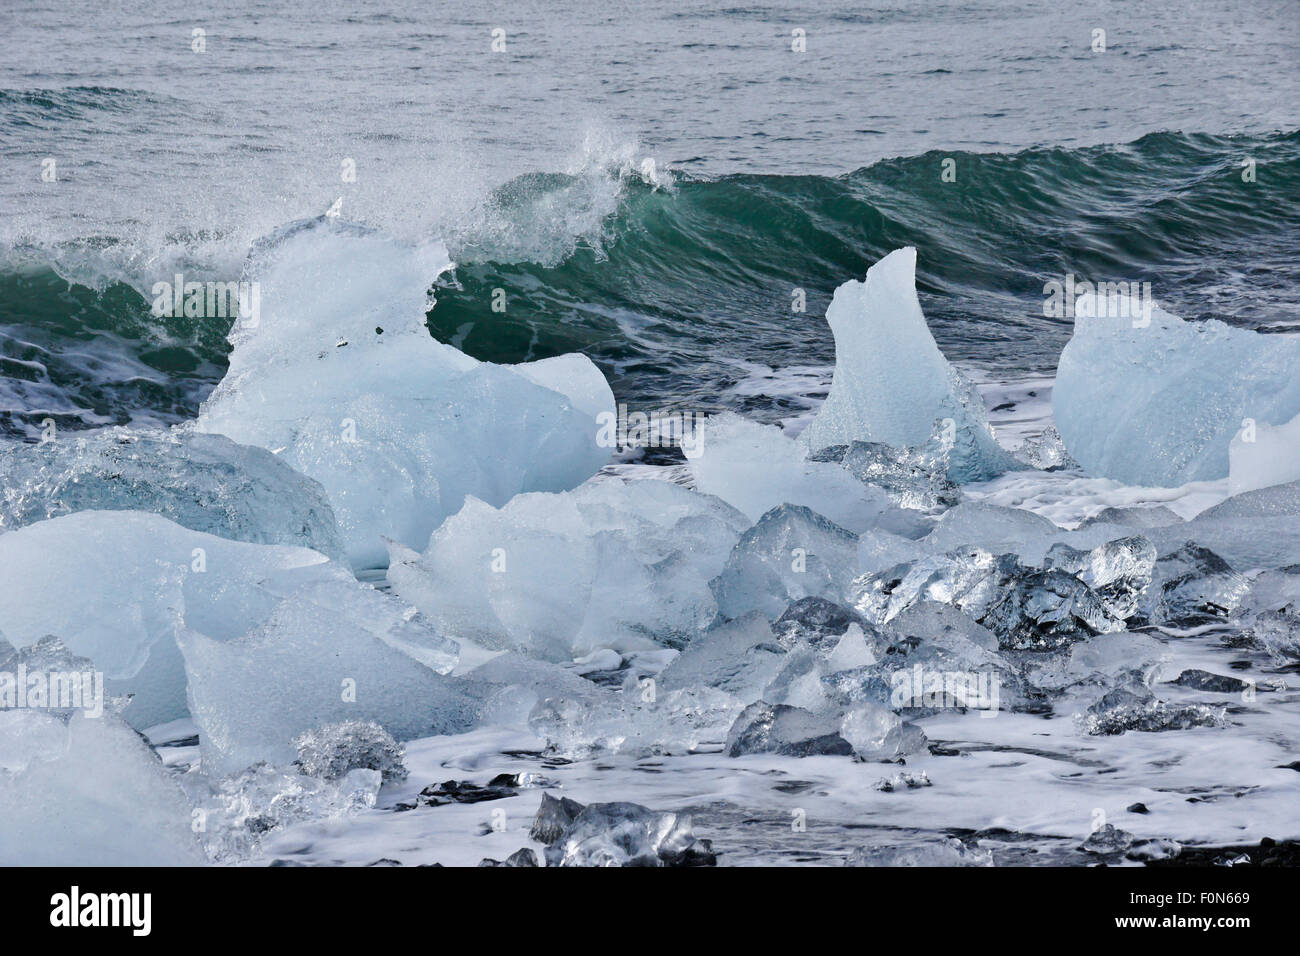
(655, 185)
(769, 170)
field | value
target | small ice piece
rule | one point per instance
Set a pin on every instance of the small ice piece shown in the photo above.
(782, 729)
(756, 468)
(947, 852)
(611, 565)
(627, 834)
(739, 657)
(203, 482)
(1192, 585)
(791, 553)
(876, 733)
(1214, 683)
(1149, 399)
(903, 781)
(251, 696)
(915, 478)
(1047, 452)
(1270, 613)
(88, 792)
(941, 658)
(1118, 571)
(338, 374)
(1135, 707)
(240, 809)
(1107, 840)
(554, 816)
(891, 382)
(331, 751)
(1157, 849)
(157, 578)
(641, 720)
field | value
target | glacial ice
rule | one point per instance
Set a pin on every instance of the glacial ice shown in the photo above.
(239, 810)
(340, 377)
(790, 553)
(782, 729)
(1118, 571)
(914, 478)
(1028, 608)
(90, 793)
(332, 751)
(1158, 403)
(739, 657)
(143, 578)
(608, 565)
(202, 482)
(1192, 585)
(1264, 455)
(756, 468)
(304, 667)
(1135, 707)
(876, 733)
(892, 384)
(946, 852)
(627, 834)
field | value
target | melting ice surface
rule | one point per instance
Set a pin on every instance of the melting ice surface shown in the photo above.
(1153, 400)
(338, 375)
(887, 627)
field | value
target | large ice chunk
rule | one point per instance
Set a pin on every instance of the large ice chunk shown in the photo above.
(1262, 455)
(608, 565)
(140, 579)
(756, 467)
(791, 553)
(202, 482)
(340, 376)
(87, 793)
(1157, 401)
(302, 668)
(1028, 608)
(891, 382)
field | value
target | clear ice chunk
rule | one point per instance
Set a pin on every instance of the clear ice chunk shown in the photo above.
(202, 482)
(1151, 400)
(791, 553)
(892, 384)
(332, 751)
(627, 834)
(782, 729)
